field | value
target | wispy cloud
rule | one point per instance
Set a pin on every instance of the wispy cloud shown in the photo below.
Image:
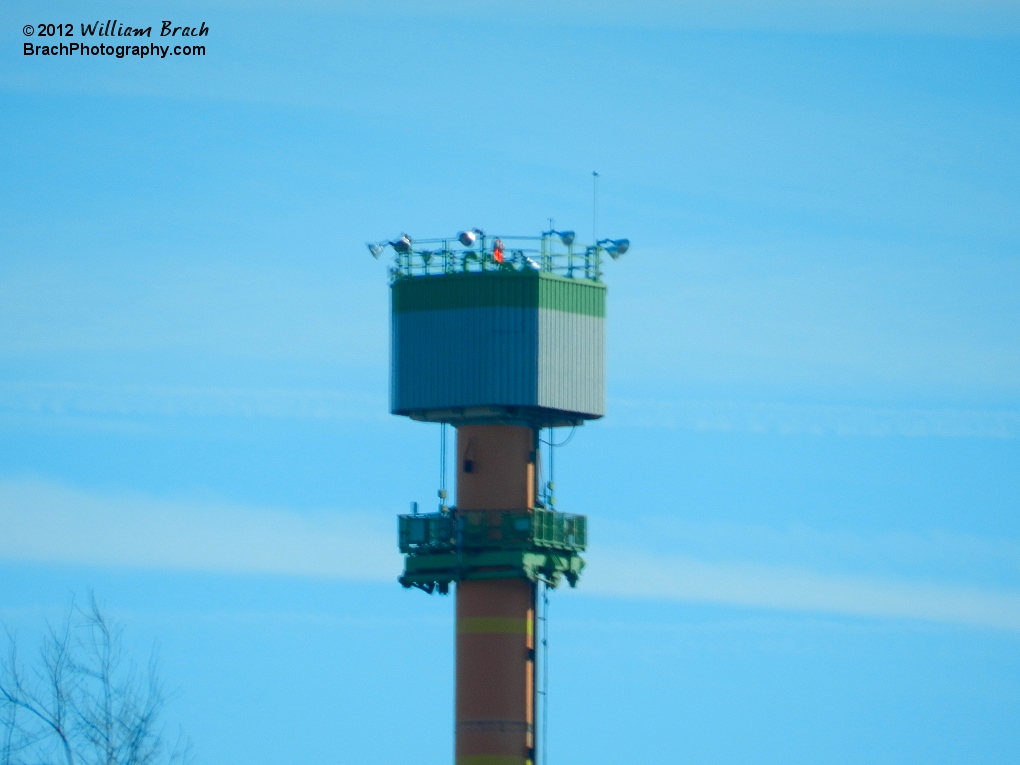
(956, 17)
(75, 399)
(934, 555)
(117, 305)
(628, 573)
(46, 523)
(817, 419)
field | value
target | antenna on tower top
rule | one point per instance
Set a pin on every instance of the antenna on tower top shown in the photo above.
(594, 206)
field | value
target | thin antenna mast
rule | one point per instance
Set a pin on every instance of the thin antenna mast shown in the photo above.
(594, 206)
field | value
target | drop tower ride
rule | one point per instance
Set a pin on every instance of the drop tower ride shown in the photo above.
(501, 338)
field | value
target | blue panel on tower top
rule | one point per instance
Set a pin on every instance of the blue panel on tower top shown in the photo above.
(499, 346)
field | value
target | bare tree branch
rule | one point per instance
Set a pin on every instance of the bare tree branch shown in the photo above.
(85, 702)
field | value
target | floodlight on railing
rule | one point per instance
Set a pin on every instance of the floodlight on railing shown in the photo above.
(615, 247)
(525, 262)
(403, 244)
(470, 236)
(567, 237)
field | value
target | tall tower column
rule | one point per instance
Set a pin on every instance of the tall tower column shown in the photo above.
(495, 692)
(499, 337)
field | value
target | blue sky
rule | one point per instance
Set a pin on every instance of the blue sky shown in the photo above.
(803, 502)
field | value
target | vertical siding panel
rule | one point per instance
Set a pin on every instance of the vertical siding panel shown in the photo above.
(464, 357)
(572, 355)
(571, 362)
(502, 339)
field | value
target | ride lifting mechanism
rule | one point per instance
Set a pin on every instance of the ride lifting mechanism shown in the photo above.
(504, 339)
(532, 542)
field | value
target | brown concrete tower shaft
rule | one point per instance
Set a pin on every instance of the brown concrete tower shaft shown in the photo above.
(495, 694)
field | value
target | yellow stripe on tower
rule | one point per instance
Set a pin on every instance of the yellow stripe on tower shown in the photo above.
(491, 759)
(494, 625)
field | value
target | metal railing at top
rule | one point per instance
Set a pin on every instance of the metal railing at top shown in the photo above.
(552, 252)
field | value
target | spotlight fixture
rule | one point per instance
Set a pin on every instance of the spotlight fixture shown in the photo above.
(403, 244)
(525, 262)
(615, 247)
(376, 249)
(567, 237)
(469, 237)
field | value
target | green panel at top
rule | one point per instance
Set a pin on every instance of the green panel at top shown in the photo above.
(510, 289)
